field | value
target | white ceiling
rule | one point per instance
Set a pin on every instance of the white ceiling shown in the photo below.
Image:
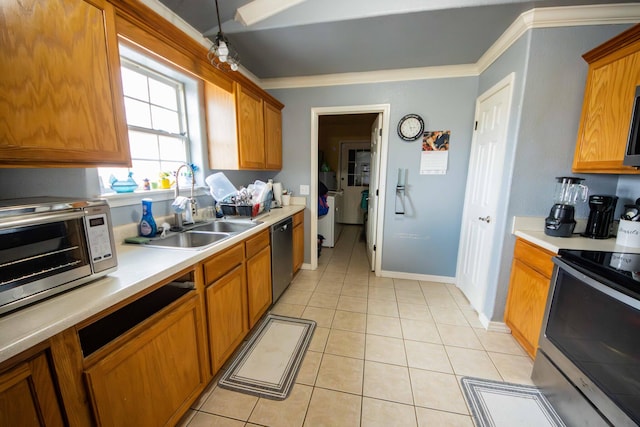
(318, 37)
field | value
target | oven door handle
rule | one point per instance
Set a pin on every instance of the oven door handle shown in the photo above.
(597, 285)
(39, 219)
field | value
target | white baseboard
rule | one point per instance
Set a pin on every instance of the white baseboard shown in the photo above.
(492, 326)
(306, 266)
(415, 276)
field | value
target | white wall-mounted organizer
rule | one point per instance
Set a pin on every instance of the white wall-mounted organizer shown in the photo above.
(400, 191)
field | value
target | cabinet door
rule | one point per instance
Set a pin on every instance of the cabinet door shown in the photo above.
(227, 315)
(153, 378)
(250, 130)
(28, 397)
(60, 79)
(273, 136)
(298, 247)
(220, 105)
(525, 305)
(259, 284)
(606, 112)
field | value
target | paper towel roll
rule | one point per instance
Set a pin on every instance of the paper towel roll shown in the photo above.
(277, 192)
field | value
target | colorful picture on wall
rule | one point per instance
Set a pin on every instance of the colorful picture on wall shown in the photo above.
(437, 140)
(434, 158)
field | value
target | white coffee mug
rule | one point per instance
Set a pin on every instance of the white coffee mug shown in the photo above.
(286, 199)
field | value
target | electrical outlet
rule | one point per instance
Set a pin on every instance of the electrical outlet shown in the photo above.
(304, 190)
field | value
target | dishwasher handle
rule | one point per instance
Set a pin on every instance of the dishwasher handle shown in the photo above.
(282, 226)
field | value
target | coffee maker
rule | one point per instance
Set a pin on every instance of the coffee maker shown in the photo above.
(568, 191)
(600, 216)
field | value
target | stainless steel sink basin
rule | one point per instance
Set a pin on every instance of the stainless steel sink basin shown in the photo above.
(199, 236)
(224, 227)
(188, 240)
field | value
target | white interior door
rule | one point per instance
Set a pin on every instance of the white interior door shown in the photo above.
(478, 234)
(354, 178)
(372, 209)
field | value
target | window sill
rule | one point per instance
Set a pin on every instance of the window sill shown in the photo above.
(117, 200)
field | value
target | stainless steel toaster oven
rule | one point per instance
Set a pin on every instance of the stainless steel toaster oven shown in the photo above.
(50, 245)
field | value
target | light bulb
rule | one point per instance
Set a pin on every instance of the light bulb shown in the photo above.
(223, 50)
(222, 58)
(234, 67)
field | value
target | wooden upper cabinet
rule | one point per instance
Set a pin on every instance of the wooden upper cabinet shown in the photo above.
(220, 105)
(250, 129)
(60, 79)
(614, 73)
(244, 129)
(272, 136)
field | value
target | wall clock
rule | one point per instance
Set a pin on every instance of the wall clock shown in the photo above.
(410, 127)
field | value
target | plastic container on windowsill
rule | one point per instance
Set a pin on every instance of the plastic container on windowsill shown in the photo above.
(126, 186)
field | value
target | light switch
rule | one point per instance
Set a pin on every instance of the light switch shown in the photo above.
(304, 190)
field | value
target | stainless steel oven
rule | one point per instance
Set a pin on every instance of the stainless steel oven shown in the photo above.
(50, 245)
(588, 360)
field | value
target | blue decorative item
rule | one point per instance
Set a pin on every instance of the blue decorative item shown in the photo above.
(126, 186)
(148, 227)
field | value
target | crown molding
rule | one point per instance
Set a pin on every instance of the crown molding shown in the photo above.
(421, 73)
(547, 17)
(569, 16)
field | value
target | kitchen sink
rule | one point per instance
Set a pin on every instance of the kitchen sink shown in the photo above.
(201, 235)
(188, 240)
(224, 227)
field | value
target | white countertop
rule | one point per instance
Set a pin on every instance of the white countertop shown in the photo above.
(138, 268)
(532, 230)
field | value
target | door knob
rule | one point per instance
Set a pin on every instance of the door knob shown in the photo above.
(486, 219)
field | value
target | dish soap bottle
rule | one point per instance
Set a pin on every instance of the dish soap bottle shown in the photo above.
(148, 227)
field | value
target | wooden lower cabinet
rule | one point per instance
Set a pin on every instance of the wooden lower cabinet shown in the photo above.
(226, 302)
(227, 315)
(259, 284)
(531, 272)
(153, 378)
(259, 290)
(28, 396)
(298, 241)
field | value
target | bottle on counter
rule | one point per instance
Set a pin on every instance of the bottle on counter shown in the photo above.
(148, 227)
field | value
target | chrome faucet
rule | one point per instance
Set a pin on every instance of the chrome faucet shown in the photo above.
(178, 223)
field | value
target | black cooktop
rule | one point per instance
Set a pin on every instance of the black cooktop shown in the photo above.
(620, 269)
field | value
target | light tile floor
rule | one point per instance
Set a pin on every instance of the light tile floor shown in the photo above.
(386, 352)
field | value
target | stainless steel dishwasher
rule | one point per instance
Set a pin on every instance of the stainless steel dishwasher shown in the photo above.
(281, 256)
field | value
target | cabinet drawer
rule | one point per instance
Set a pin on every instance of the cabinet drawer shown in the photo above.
(255, 243)
(220, 263)
(534, 256)
(298, 218)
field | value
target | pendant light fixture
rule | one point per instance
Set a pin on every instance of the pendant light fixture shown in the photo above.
(221, 54)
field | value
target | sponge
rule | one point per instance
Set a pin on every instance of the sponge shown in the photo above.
(137, 240)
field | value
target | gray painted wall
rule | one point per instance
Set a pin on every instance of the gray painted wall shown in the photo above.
(628, 191)
(546, 130)
(425, 240)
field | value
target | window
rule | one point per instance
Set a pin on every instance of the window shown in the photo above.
(358, 167)
(156, 118)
